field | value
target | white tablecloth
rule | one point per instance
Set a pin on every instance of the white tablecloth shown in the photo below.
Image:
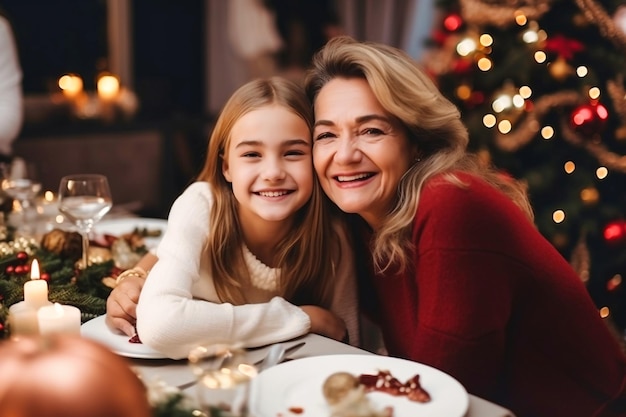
(177, 373)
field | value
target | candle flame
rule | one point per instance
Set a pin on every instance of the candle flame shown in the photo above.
(58, 309)
(34, 270)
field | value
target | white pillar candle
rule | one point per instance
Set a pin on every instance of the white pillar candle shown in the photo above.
(23, 320)
(36, 290)
(59, 318)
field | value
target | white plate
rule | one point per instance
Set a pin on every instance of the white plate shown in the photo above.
(118, 227)
(298, 383)
(96, 329)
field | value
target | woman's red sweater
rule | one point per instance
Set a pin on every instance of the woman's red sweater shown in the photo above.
(491, 302)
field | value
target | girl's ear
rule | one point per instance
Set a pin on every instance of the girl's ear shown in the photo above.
(226, 170)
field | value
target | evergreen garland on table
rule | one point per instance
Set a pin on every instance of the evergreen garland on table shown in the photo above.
(57, 255)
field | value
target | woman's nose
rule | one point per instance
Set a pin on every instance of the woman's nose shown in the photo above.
(347, 151)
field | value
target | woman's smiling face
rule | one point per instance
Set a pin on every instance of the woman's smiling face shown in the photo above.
(360, 151)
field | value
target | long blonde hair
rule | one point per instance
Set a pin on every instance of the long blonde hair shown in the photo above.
(433, 124)
(304, 254)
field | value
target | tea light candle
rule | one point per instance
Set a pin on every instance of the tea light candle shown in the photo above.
(59, 318)
(23, 320)
(36, 290)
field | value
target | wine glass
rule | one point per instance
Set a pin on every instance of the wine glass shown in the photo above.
(223, 377)
(84, 199)
(19, 184)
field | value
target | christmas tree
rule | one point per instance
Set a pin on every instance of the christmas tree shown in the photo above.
(540, 85)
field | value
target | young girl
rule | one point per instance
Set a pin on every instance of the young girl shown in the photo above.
(250, 254)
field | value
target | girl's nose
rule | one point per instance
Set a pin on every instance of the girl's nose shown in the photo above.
(273, 171)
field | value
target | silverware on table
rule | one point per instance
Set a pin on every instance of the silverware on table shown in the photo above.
(278, 354)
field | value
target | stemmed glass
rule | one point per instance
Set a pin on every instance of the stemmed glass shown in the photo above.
(84, 199)
(20, 184)
(223, 377)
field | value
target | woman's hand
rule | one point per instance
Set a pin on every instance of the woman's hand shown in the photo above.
(122, 304)
(325, 323)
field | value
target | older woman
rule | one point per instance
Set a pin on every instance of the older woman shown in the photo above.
(459, 277)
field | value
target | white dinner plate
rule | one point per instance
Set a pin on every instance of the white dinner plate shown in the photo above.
(118, 227)
(297, 385)
(96, 329)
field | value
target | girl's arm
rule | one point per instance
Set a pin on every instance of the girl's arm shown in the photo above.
(178, 309)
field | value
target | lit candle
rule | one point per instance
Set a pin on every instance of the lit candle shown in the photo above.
(23, 320)
(36, 290)
(71, 85)
(108, 87)
(59, 318)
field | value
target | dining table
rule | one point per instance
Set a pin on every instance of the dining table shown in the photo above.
(156, 370)
(178, 373)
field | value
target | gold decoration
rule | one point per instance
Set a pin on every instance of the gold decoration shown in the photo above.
(560, 69)
(596, 14)
(502, 14)
(529, 127)
(66, 244)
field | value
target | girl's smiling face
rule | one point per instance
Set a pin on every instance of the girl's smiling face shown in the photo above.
(268, 162)
(360, 151)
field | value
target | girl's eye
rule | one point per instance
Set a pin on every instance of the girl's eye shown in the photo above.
(295, 153)
(251, 155)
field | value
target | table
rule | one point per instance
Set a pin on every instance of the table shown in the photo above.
(177, 373)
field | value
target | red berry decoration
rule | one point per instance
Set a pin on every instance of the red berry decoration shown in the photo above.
(22, 256)
(589, 119)
(615, 232)
(19, 269)
(45, 276)
(9, 269)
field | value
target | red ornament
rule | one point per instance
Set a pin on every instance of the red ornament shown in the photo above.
(22, 256)
(452, 22)
(9, 269)
(45, 276)
(19, 269)
(589, 119)
(615, 232)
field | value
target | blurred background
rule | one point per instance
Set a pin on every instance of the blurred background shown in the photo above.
(540, 84)
(176, 63)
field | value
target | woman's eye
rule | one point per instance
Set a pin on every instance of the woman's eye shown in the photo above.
(324, 135)
(295, 153)
(372, 131)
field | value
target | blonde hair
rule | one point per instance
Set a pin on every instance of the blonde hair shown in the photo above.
(305, 277)
(433, 124)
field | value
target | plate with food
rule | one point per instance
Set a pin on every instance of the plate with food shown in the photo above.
(347, 384)
(130, 347)
(150, 230)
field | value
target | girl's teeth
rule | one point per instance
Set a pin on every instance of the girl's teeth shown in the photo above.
(272, 193)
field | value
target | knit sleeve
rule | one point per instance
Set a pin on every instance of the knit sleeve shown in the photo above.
(171, 318)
